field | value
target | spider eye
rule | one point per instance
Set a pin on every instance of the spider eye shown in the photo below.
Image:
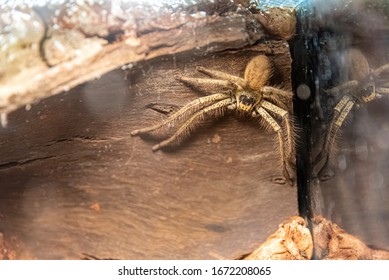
(246, 100)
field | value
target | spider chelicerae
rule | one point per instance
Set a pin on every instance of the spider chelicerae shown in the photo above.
(362, 87)
(248, 95)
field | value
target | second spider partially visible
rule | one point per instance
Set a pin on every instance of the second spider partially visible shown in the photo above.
(249, 95)
(363, 86)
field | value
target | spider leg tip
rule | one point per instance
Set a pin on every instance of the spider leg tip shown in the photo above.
(156, 147)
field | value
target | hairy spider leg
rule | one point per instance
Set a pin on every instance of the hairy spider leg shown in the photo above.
(342, 87)
(276, 127)
(289, 130)
(268, 91)
(341, 111)
(223, 76)
(192, 121)
(271, 93)
(380, 70)
(277, 96)
(194, 105)
(382, 90)
(205, 81)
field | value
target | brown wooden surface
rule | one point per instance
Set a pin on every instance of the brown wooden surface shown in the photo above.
(74, 182)
(72, 43)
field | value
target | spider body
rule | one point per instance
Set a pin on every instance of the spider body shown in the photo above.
(362, 87)
(244, 100)
(248, 96)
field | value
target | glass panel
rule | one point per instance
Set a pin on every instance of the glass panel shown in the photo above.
(341, 54)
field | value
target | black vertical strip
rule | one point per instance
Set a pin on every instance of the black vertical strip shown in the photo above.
(305, 53)
(304, 89)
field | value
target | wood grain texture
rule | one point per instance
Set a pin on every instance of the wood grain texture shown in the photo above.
(74, 182)
(66, 49)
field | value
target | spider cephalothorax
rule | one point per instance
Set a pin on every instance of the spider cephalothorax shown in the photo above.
(362, 87)
(246, 101)
(247, 95)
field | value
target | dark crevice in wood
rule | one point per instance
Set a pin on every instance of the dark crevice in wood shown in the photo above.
(163, 108)
(20, 163)
(79, 138)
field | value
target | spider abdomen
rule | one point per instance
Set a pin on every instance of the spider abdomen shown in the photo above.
(258, 72)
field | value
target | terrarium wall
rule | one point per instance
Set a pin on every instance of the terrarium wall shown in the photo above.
(350, 117)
